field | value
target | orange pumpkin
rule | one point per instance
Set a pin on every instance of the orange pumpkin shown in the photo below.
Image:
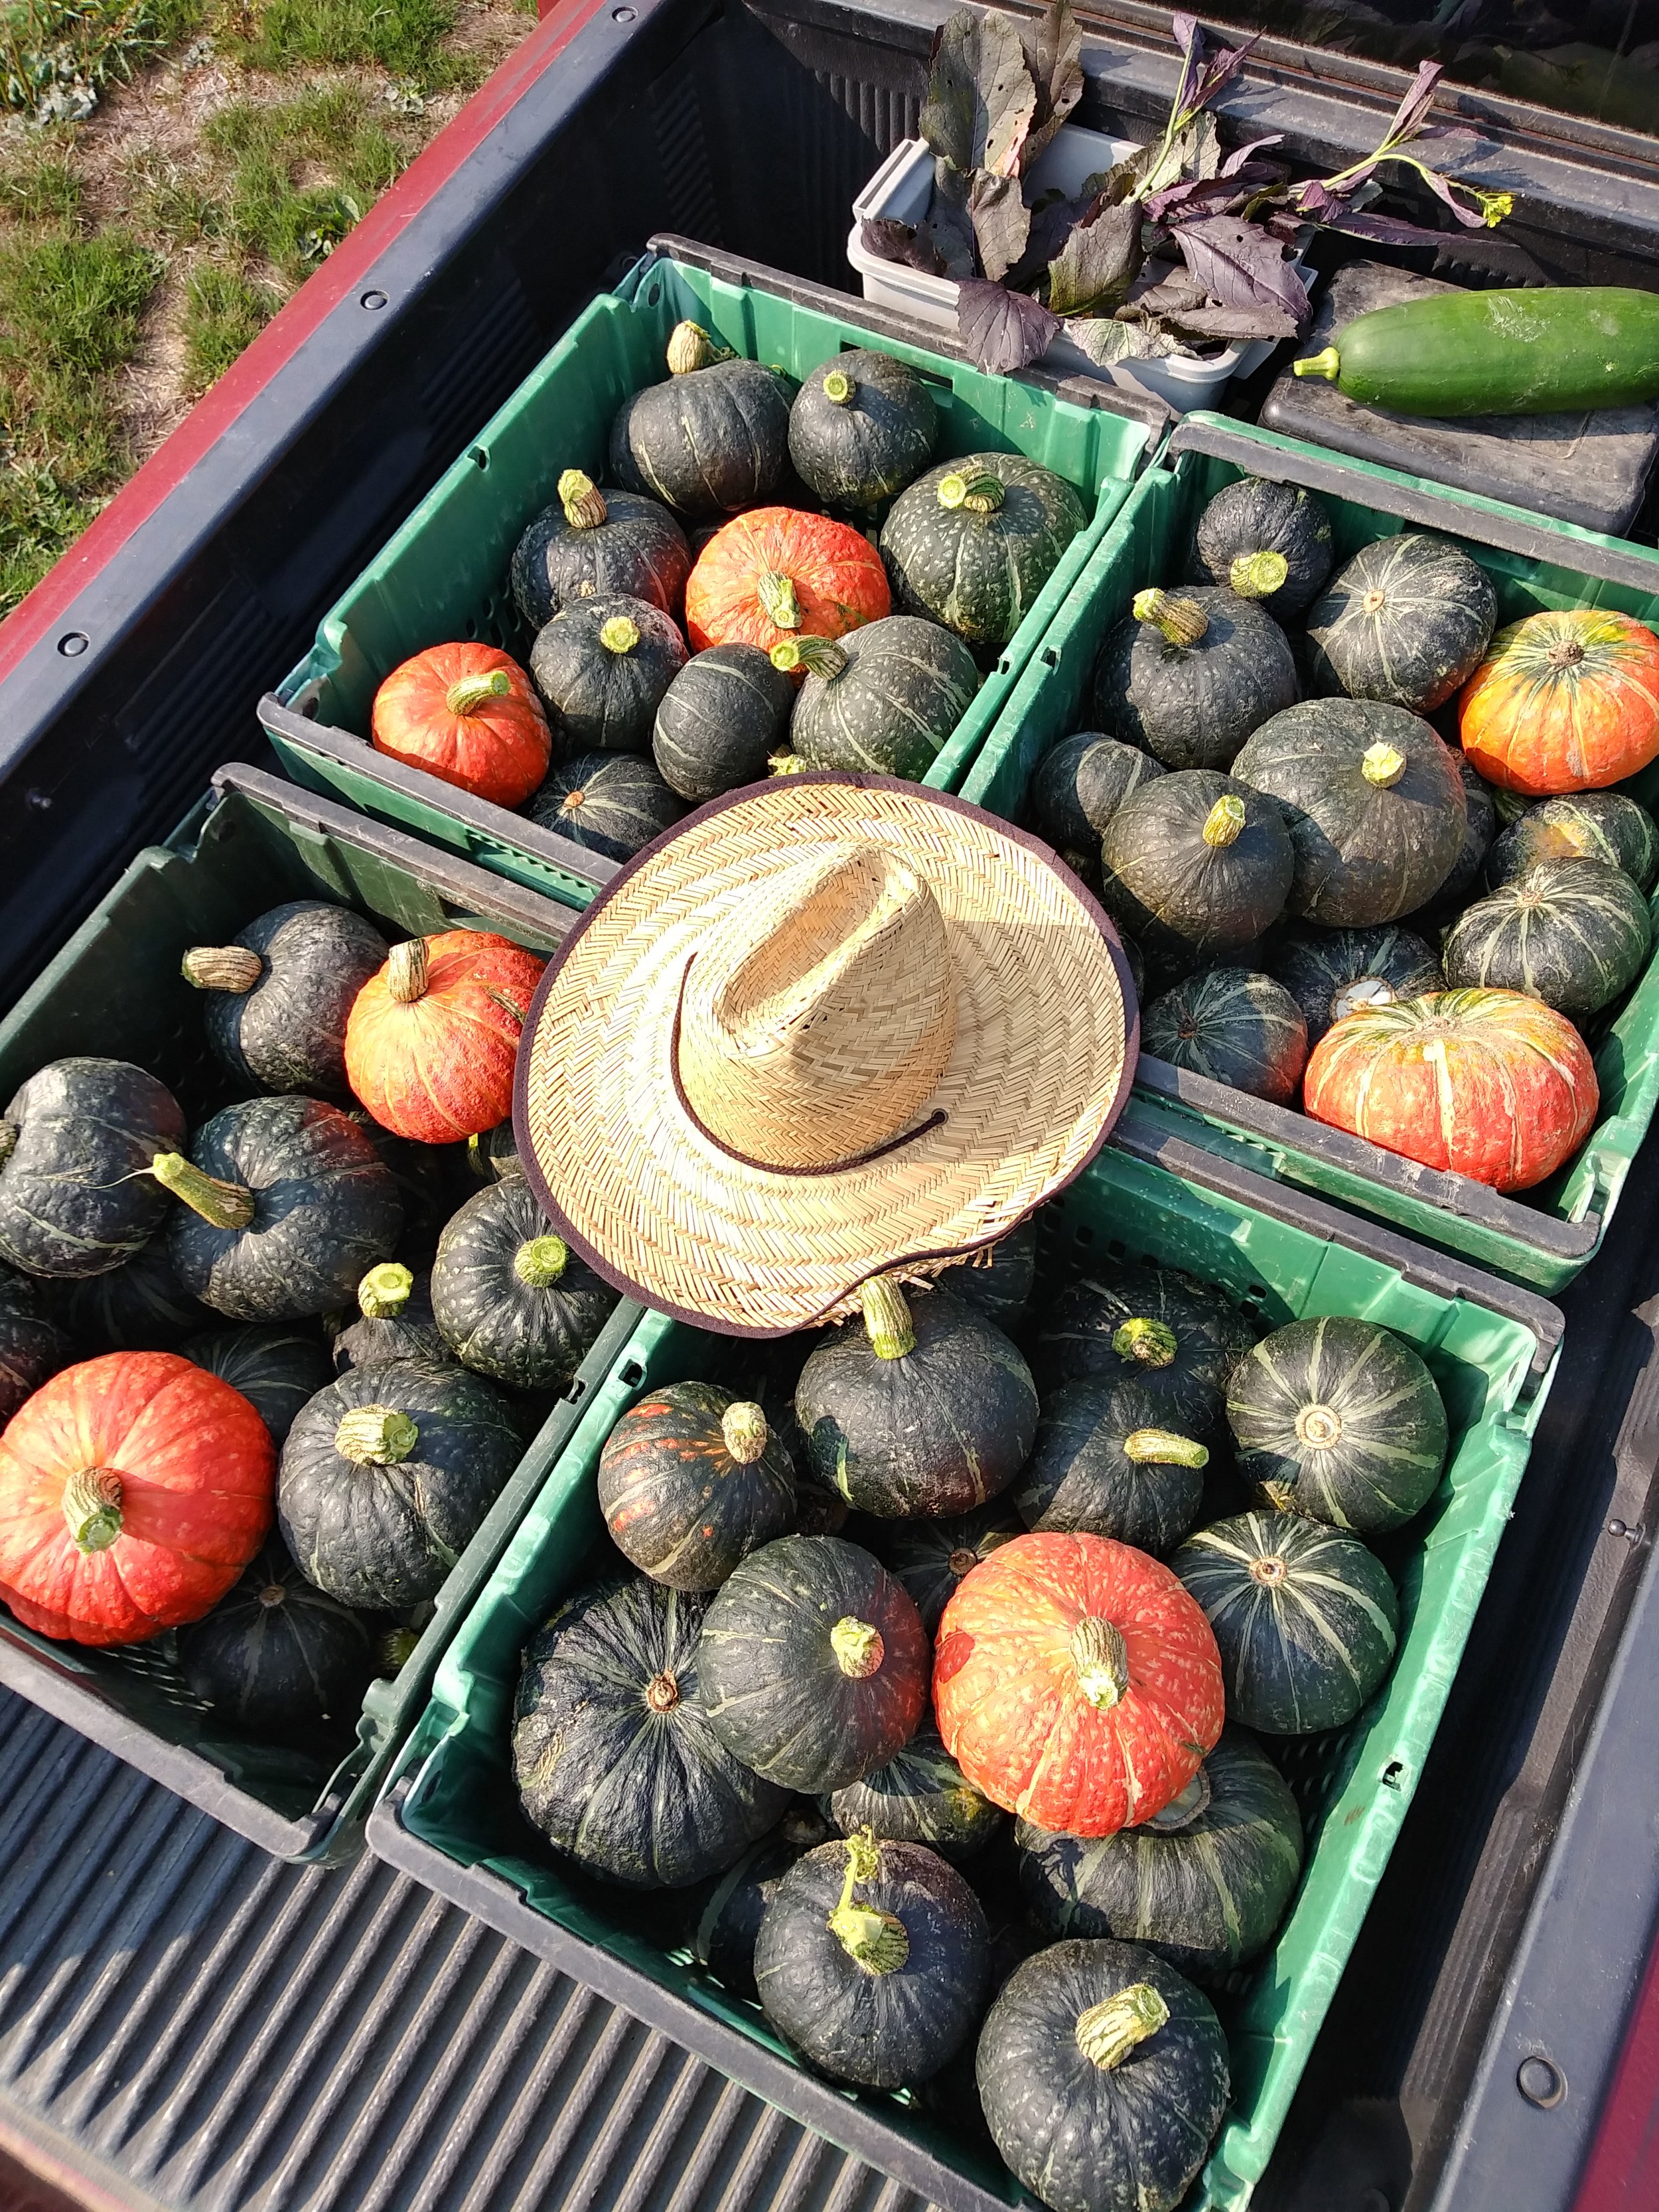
(134, 1489)
(1563, 703)
(431, 1039)
(1489, 1083)
(468, 715)
(1076, 1683)
(774, 573)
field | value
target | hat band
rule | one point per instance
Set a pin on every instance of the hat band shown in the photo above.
(934, 1120)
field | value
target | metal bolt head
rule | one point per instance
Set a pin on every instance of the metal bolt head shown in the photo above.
(373, 300)
(73, 642)
(1541, 2082)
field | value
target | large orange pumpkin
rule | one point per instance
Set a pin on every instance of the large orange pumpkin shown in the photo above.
(468, 715)
(1488, 1083)
(1563, 703)
(134, 1489)
(1076, 1683)
(774, 573)
(431, 1039)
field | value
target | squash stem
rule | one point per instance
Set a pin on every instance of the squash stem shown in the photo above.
(838, 388)
(1148, 1343)
(1101, 1661)
(1565, 652)
(1327, 364)
(92, 1507)
(818, 656)
(690, 347)
(662, 1692)
(541, 1262)
(406, 970)
(887, 1318)
(1258, 575)
(786, 762)
(1107, 2033)
(1382, 765)
(376, 1435)
(777, 594)
(582, 500)
(981, 493)
(226, 1204)
(471, 692)
(384, 1291)
(397, 1647)
(1163, 1447)
(619, 635)
(858, 1648)
(1223, 821)
(1182, 621)
(743, 1426)
(222, 967)
(876, 1940)
(10, 1133)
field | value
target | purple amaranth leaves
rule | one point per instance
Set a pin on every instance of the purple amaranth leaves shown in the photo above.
(1001, 331)
(910, 246)
(1203, 74)
(1240, 266)
(981, 100)
(1331, 200)
(1053, 55)
(1093, 270)
(1001, 222)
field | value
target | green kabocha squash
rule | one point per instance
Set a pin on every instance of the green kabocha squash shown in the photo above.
(1331, 973)
(1305, 1618)
(720, 720)
(1580, 825)
(1459, 885)
(140, 1306)
(276, 997)
(602, 668)
(920, 1797)
(608, 803)
(386, 1477)
(286, 1203)
(1103, 2074)
(1406, 621)
(815, 1666)
(872, 1960)
(1189, 675)
(770, 1382)
(1574, 934)
(32, 1349)
(1195, 864)
(1108, 1462)
(277, 1658)
(930, 1557)
(1205, 1884)
(76, 1197)
(1270, 542)
(999, 1281)
(394, 1321)
(884, 698)
(613, 1754)
(862, 426)
(691, 1481)
(591, 544)
(431, 1180)
(972, 543)
(1149, 1325)
(1079, 785)
(921, 1408)
(1233, 1026)
(1340, 1419)
(727, 1924)
(714, 438)
(278, 1368)
(512, 1299)
(1375, 803)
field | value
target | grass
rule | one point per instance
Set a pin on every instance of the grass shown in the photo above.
(403, 37)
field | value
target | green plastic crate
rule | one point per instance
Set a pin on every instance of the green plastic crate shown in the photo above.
(116, 989)
(449, 1818)
(1544, 1238)
(444, 575)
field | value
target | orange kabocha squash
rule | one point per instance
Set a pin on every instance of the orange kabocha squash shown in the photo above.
(432, 1038)
(774, 573)
(1563, 703)
(468, 715)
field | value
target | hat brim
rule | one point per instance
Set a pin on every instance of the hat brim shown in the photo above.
(1047, 1036)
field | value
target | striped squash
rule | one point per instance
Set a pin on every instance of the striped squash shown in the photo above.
(920, 1797)
(692, 1481)
(1583, 825)
(930, 1557)
(1406, 621)
(1333, 972)
(608, 803)
(1235, 1027)
(1563, 701)
(1571, 933)
(884, 698)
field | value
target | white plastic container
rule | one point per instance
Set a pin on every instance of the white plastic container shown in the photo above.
(902, 188)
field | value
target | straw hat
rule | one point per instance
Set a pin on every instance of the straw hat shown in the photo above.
(826, 1028)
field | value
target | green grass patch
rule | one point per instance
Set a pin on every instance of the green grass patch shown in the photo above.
(57, 56)
(38, 520)
(223, 314)
(38, 183)
(301, 173)
(403, 37)
(73, 304)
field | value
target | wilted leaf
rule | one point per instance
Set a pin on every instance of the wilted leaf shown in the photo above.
(908, 245)
(1105, 341)
(980, 98)
(1232, 323)
(1383, 229)
(1160, 290)
(1001, 331)
(1241, 155)
(1187, 203)
(1239, 266)
(1093, 270)
(951, 224)
(1203, 74)
(1001, 222)
(1053, 55)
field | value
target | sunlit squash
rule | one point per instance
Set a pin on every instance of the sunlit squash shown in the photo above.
(468, 715)
(1564, 700)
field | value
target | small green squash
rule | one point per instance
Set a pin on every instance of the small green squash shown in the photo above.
(720, 720)
(1233, 1026)
(1406, 621)
(76, 1197)
(278, 994)
(1574, 934)
(1195, 864)
(1333, 972)
(613, 1754)
(394, 1322)
(591, 544)
(608, 803)
(727, 1920)
(1305, 1618)
(602, 668)
(140, 1306)
(32, 1349)
(278, 1658)
(1150, 1325)
(920, 1797)
(1108, 1462)
(691, 1481)
(884, 698)
(511, 1298)
(1270, 542)
(1189, 675)
(1079, 785)
(972, 544)
(999, 1281)
(1479, 832)
(712, 440)
(278, 1368)
(916, 1410)
(1580, 825)
(862, 426)
(930, 1557)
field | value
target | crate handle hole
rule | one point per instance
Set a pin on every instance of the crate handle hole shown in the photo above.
(479, 456)
(653, 295)
(632, 1375)
(1393, 1775)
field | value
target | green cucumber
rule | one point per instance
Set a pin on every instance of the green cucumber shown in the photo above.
(1537, 352)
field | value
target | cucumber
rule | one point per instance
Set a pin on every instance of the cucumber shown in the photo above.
(1535, 352)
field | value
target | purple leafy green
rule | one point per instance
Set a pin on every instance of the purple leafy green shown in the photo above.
(1092, 272)
(1053, 55)
(981, 98)
(1001, 222)
(1002, 331)
(1239, 266)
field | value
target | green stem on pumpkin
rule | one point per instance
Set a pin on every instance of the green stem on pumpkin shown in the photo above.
(582, 500)
(226, 1204)
(619, 635)
(887, 1318)
(384, 1291)
(92, 1507)
(10, 1133)
(397, 1648)
(406, 970)
(690, 347)
(466, 695)
(1382, 765)
(541, 1262)
(1223, 821)
(778, 596)
(376, 1435)
(744, 1428)
(1163, 1447)
(1148, 1343)
(858, 1648)
(818, 656)
(1102, 1661)
(1182, 621)
(874, 1939)
(1258, 575)
(1107, 2033)
(785, 762)
(838, 387)
(980, 492)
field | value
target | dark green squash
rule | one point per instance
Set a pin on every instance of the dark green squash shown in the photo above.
(76, 1198)
(140, 1306)
(691, 1481)
(1109, 1462)
(921, 1408)
(32, 1349)
(1000, 1280)
(1305, 1618)
(394, 1322)
(1149, 1325)
(723, 1933)
(712, 440)
(277, 1368)
(1375, 803)
(602, 668)
(278, 994)
(1080, 783)
(286, 1205)
(862, 426)
(767, 1379)
(1189, 675)
(1340, 1419)
(386, 1477)
(972, 544)
(590, 543)
(884, 698)
(512, 1299)
(920, 1797)
(1478, 831)
(1270, 542)
(1580, 826)
(1103, 2076)
(1234, 1026)
(1574, 934)
(493, 1155)
(1205, 1884)
(1333, 972)
(613, 1754)
(1195, 864)
(1406, 621)
(872, 1960)
(814, 1667)
(608, 803)
(930, 1557)
(720, 720)
(280, 1658)
(431, 1181)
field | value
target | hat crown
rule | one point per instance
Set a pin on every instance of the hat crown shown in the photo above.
(818, 1019)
